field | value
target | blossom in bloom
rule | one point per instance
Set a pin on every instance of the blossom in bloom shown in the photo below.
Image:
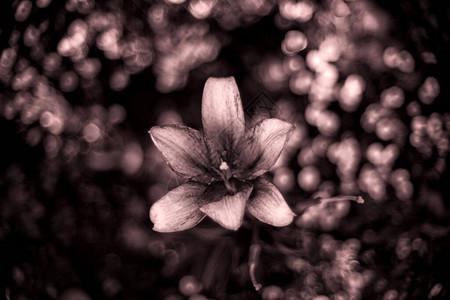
(222, 166)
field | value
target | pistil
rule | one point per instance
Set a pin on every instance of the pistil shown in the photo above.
(226, 176)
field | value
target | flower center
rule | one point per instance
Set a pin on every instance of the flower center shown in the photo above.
(226, 176)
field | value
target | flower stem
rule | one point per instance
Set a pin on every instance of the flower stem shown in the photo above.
(211, 265)
(357, 199)
(253, 258)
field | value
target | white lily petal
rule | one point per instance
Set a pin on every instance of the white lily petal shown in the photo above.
(225, 209)
(222, 112)
(268, 205)
(261, 147)
(185, 151)
(178, 210)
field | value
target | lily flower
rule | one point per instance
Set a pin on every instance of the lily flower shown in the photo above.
(222, 166)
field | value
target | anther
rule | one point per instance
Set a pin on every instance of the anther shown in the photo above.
(223, 166)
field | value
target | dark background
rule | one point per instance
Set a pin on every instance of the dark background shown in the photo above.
(74, 201)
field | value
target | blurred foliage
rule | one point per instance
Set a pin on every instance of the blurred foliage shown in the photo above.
(363, 81)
